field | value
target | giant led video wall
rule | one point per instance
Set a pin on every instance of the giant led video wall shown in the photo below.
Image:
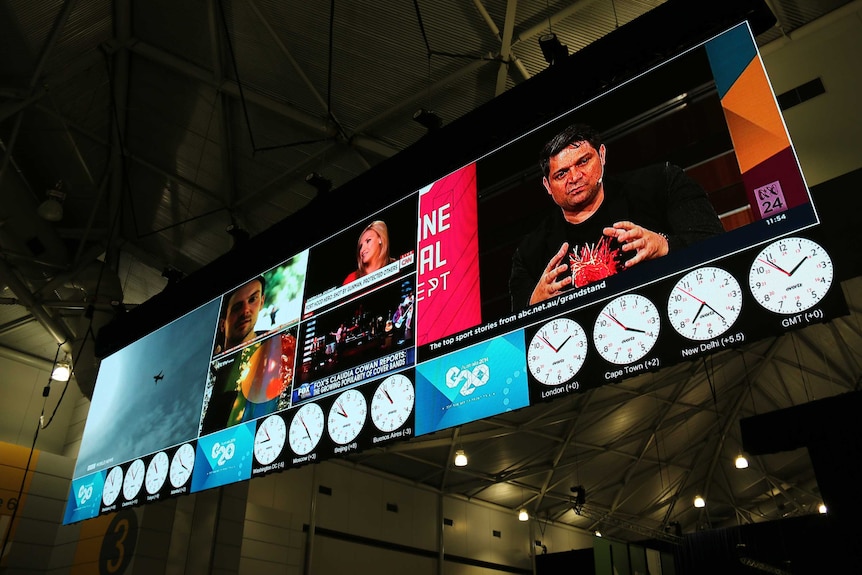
(470, 297)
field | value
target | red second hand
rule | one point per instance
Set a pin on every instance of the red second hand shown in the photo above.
(692, 295)
(616, 321)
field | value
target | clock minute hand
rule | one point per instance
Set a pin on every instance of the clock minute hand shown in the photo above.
(715, 311)
(793, 271)
(769, 263)
(616, 321)
(541, 337)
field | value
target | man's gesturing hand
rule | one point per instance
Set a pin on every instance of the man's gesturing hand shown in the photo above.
(647, 243)
(548, 285)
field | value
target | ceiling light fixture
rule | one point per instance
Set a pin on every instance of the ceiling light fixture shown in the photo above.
(523, 515)
(320, 183)
(62, 370)
(52, 208)
(239, 235)
(428, 118)
(552, 49)
(741, 462)
(460, 458)
(580, 498)
(699, 501)
(821, 508)
(598, 533)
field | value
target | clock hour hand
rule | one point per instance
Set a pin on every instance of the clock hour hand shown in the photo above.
(700, 309)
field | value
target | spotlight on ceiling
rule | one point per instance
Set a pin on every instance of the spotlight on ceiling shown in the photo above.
(428, 118)
(579, 498)
(822, 508)
(699, 501)
(460, 458)
(238, 234)
(320, 183)
(523, 515)
(552, 49)
(173, 275)
(740, 462)
(580, 494)
(62, 371)
(52, 208)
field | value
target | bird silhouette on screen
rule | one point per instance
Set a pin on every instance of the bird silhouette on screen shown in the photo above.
(159, 377)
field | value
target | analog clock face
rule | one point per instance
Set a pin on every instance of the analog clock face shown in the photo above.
(790, 275)
(704, 303)
(347, 416)
(182, 464)
(626, 329)
(557, 351)
(113, 484)
(269, 439)
(157, 472)
(306, 429)
(134, 479)
(392, 402)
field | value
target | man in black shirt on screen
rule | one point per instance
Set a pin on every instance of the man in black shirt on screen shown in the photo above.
(603, 225)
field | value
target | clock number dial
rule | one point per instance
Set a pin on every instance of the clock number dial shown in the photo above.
(157, 472)
(182, 464)
(269, 439)
(306, 428)
(790, 275)
(133, 480)
(704, 303)
(347, 416)
(626, 329)
(392, 402)
(113, 484)
(557, 351)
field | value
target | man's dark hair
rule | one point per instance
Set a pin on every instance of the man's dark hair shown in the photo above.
(572, 134)
(229, 295)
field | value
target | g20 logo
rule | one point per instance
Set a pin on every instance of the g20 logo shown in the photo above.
(222, 452)
(468, 379)
(85, 492)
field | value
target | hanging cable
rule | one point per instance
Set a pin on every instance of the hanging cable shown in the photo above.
(329, 62)
(39, 426)
(329, 116)
(236, 73)
(422, 28)
(805, 383)
(748, 382)
(706, 370)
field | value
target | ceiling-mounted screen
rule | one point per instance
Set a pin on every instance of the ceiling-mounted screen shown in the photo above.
(494, 287)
